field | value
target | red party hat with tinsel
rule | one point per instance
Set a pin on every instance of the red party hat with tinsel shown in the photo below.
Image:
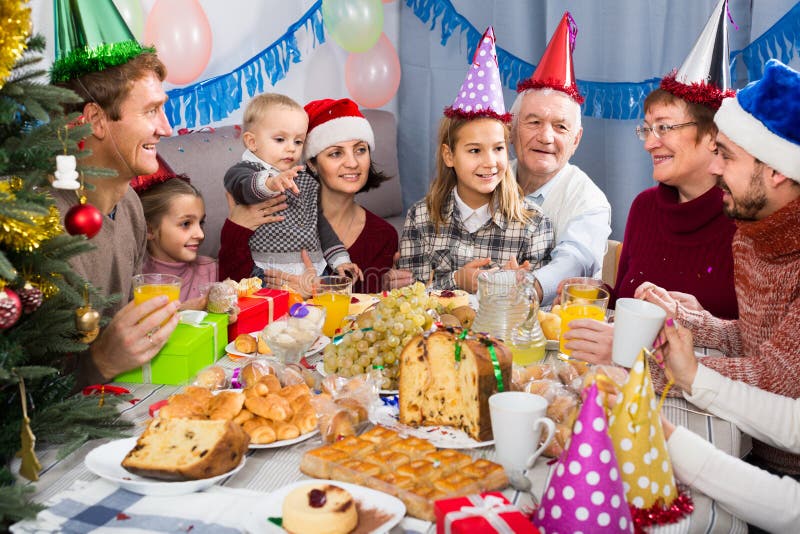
(585, 492)
(164, 173)
(481, 94)
(555, 70)
(641, 450)
(705, 75)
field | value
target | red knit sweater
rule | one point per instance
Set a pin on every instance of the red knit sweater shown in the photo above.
(372, 251)
(680, 247)
(763, 345)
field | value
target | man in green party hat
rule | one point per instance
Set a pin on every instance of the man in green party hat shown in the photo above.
(119, 82)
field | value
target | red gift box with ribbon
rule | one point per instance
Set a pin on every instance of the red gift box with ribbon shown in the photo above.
(258, 310)
(487, 512)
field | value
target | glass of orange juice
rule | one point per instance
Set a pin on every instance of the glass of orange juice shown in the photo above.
(333, 294)
(147, 286)
(581, 301)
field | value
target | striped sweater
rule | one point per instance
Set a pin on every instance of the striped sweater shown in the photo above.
(763, 345)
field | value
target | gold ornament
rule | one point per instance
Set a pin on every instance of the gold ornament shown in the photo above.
(27, 232)
(45, 285)
(30, 466)
(15, 27)
(87, 320)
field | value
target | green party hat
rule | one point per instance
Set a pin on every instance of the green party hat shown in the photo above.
(91, 36)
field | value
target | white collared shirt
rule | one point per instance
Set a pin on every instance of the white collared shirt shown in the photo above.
(472, 218)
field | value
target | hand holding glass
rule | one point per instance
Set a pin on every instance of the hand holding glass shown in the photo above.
(147, 286)
(581, 301)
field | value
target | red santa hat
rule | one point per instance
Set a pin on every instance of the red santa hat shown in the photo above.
(555, 70)
(334, 121)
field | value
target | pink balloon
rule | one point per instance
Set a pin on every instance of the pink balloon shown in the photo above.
(372, 77)
(180, 31)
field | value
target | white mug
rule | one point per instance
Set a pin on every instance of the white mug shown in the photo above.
(636, 325)
(517, 421)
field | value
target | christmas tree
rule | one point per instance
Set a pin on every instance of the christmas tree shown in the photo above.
(42, 301)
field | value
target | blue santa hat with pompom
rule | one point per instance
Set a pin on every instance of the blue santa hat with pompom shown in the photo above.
(763, 119)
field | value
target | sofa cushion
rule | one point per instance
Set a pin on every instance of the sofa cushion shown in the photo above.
(206, 154)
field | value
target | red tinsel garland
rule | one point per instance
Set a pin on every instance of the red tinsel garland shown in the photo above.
(705, 93)
(659, 514)
(479, 114)
(572, 90)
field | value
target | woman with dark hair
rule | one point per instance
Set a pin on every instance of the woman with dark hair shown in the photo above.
(338, 153)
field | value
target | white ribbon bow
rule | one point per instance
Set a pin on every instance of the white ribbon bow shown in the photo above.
(489, 507)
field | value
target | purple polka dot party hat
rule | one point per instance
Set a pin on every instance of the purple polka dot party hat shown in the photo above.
(584, 493)
(481, 94)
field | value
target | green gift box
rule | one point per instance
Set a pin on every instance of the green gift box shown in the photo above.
(190, 348)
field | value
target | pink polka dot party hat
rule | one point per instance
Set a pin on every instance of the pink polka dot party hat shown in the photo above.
(641, 450)
(585, 493)
(481, 94)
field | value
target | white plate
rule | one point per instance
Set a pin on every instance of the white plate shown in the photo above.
(320, 368)
(318, 345)
(105, 461)
(285, 442)
(257, 520)
(443, 437)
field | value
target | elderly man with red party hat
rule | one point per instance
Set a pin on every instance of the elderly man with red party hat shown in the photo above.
(545, 131)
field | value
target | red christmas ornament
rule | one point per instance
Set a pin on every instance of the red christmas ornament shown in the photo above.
(83, 219)
(31, 298)
(10, 308)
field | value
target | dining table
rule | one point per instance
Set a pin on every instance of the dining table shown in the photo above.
(67, 487)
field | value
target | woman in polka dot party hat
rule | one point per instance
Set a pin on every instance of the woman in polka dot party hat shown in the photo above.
(474, 215)
(641, 450)
(585, 492)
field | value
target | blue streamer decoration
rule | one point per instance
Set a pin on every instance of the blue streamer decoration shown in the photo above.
(609, 100)
(781, 41)
(214, 99)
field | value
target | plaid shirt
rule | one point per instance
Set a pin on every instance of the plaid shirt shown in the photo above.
(424, 251)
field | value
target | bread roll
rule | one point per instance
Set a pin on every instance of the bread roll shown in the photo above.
(226, 405)
(252, 372)
(260, 431)
(270, 407)
(212, 378)
(305, 419)
(245, 343)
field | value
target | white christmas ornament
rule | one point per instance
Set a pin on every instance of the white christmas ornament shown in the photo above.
(66, 175)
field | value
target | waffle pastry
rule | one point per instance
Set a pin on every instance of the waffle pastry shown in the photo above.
(411, 469)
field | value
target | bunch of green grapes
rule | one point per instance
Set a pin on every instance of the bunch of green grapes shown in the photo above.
(379, 335)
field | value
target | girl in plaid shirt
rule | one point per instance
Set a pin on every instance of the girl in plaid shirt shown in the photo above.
(474, 215)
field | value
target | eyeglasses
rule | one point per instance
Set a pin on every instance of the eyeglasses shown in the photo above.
(659, 129)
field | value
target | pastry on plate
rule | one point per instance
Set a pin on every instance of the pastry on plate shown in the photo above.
(319, 509)
(187, 449)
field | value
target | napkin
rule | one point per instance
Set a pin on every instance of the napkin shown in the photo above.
(100, 506)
